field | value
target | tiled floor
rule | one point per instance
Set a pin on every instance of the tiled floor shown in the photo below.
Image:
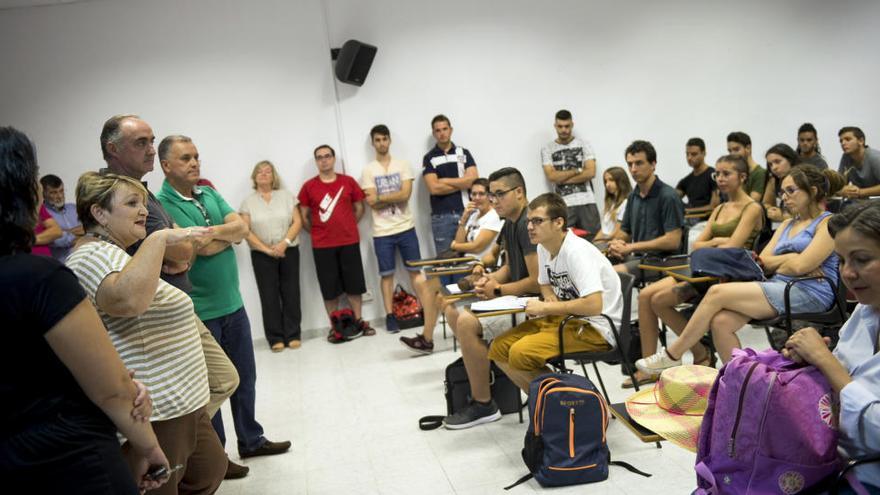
(352, 413)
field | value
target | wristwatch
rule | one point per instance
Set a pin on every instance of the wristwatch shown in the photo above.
(288, 241)
(497, 291)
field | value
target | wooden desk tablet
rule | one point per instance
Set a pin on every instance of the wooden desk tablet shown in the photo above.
(683, 274)
(441, 262)
(619, 411)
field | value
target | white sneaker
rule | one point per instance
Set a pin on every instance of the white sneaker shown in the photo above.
(658, 362)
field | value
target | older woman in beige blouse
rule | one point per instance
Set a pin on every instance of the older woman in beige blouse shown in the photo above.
(275, 222)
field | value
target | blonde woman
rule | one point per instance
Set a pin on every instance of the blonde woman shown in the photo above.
(274, 222)
(151, 323)
(617, 189)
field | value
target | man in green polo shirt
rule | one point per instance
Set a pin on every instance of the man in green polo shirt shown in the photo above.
(214, 276)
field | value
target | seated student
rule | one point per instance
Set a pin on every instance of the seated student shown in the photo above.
(476, 234)
(517, 276)
(853, 369)
(780, 159)
(698, 186)
(860, 165)
(576, 279)
(654, 213)
(735, 223)
(740, 144)
(800, 247)
(617, 190)
(808, 147)
(64, 214)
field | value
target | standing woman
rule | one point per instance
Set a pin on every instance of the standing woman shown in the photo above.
(617, 189)
(780, 160)
(853, 369)
(274, 222)
(65, 390)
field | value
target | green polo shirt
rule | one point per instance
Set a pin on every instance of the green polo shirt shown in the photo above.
(214, 278)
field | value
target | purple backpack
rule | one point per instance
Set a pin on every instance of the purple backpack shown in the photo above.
(770, 427)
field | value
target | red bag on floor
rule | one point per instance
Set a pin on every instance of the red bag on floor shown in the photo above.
(406, 309)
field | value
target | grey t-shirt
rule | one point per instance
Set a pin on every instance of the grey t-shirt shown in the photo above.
(816, 160)
(515, 241)
(657, 213)
(865, 174)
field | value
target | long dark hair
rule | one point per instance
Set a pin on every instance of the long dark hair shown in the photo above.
(19, 196)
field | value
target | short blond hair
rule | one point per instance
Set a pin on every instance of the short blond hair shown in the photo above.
(93, 188)
(276, 181)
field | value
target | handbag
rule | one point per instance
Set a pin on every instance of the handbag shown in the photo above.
(406, 309)
(727, 264)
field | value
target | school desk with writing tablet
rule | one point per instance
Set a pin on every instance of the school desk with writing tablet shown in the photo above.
(453, 270)
(619, 411)
(683, 274)
(441, 262)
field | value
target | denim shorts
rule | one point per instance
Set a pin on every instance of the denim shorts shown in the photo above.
(801, 301)
(406, 242)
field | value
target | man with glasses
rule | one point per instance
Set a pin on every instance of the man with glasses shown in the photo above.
(654, 213)
(127, 147)
(448, 172)
(518, 276)
(575, 278)
(570, 164)
(331, 205)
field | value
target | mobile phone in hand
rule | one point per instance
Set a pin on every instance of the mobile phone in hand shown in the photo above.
(156, 473)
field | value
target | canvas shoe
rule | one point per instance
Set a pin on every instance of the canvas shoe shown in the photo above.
(418, 344)
(472, 415)
(391, 324)
(653, 365)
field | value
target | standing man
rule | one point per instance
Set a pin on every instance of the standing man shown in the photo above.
(570, 164)
(127, 147)
(448, 171)
(859, 164)
(698, 186)
(63, 213)
(576, 279)
(808, 146)
(518, 276)
(654, 214)
(331, 205)
(214, 276)
(740, 144)
(387, 184)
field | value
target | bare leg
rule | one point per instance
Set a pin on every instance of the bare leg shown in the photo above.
(452, 314)
(331, 306)
(746, 298)
(663, 304)
(429, 305)
(724, 327)
(355, 301)
(475, 352)
(387, 286)
(649, 330)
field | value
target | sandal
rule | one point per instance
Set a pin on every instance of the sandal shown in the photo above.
(647, 380)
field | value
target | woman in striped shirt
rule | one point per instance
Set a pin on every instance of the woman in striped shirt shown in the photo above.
(151, 323)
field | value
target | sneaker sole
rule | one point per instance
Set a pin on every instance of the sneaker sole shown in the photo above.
(485, 419)
(422, 352)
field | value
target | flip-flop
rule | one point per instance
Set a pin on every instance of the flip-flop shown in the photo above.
(627, 383)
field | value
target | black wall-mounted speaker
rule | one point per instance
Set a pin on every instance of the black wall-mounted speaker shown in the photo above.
(353, 61)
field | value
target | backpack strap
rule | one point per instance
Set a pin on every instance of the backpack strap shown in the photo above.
(629, 467)
(428, 423)
(705, 474)
(519, 481)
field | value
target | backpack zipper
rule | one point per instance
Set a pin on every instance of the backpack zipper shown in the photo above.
(731, 444)
(571, 433)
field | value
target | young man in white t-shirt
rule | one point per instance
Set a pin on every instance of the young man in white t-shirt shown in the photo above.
(575, 278)
(387, 184)
(570, 164)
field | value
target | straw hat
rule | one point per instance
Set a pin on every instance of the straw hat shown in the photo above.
(674, 407)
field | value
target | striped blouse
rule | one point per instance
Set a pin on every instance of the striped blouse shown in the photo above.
(162, 345)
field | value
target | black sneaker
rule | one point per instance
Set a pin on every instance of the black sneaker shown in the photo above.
(472, 415)
(418, 344)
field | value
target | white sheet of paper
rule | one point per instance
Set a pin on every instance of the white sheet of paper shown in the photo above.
(501, 303)
(453, 288)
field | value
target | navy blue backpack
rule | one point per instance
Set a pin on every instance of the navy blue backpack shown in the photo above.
(565, 443)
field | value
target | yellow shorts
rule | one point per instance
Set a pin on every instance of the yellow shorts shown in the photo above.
(529, 345)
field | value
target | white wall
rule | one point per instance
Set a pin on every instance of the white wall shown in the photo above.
(251, 80)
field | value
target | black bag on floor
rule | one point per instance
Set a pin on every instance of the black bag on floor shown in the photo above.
(457, 390)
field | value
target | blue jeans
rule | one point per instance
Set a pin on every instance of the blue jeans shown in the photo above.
(444, 226)
(233, 333)
(407, 242)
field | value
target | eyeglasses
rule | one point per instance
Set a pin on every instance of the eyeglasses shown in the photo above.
(789, 191)
(721, 173)
(495, 196)
(536, 221)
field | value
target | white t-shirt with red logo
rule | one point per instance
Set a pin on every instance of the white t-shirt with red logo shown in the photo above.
(331, 206)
